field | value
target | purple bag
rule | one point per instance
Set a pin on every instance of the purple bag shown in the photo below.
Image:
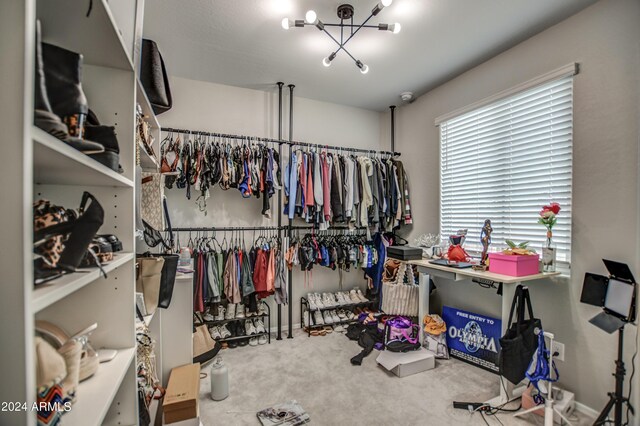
(401, 329)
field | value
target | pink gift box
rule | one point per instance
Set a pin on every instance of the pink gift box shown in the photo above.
(513, 265)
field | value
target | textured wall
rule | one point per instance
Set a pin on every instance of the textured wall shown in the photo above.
(604, 40)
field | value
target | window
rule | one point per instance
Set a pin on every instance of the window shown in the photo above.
(503, 161)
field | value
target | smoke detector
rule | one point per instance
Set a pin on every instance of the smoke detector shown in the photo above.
(407, 97)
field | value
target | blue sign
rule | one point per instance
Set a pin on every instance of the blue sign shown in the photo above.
(473, 338)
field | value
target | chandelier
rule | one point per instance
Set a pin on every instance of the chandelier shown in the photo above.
(347, 29)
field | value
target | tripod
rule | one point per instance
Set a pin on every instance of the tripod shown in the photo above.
(616, 399)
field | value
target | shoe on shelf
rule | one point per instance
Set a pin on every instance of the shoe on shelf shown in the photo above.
(208, 316)
(353, 296)
(241, 332)
(259, 325)
(262, 308)
(305, 319)
(328, 319)
(215, 333)
(318, 300)
(253, 341)
(249, 328)
(231, 311)
(326, 300)
(350, 315)
(361, 296)
(221, 311)
(233, 327)
(335, 316)
(224, 331)
(240, 311)
(317, 316)
(262, 340)
(312, 302)
(342, 315)
(340, 299)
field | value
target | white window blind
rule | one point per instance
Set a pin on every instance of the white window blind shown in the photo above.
(504, 161)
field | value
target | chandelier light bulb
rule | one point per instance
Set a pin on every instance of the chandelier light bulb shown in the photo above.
(326, 62)
(395, 28)
(310, 17)
(364, 69)
(287, 23)
(386, 3)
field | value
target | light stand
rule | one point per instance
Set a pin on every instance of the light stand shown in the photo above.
(549, 403)
(616, 399)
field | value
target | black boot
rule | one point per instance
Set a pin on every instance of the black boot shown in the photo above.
(63, 76)
(44, 117)
(106, 136)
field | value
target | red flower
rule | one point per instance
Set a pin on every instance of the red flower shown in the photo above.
(554, 207)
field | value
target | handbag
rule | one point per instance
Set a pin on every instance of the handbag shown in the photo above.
(204, 347)
(154, 78)
(401, 335)
(399, 298)
(519, 341)
(148, 279)
(151, 199)
(167, 277)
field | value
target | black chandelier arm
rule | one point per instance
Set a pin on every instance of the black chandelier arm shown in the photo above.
(358, 29)
(340, 46)
(349, 25)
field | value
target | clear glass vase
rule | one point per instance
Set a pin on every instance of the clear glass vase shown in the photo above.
(549, 251)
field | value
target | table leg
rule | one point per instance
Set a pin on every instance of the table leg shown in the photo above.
(423, 303)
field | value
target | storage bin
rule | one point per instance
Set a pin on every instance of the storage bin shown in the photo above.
(513, 265)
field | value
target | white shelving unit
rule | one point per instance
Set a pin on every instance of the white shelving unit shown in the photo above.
(36, 166)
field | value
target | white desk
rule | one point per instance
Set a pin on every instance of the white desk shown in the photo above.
(427, 270)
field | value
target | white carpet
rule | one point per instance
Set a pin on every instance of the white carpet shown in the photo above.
(317, 373)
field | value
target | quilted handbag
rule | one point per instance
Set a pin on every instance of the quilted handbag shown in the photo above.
(399, 298)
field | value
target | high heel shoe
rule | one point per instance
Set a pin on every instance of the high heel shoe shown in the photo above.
(87, 357)
(62, 236)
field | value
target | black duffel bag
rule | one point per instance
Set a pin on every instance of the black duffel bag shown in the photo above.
(519, 342)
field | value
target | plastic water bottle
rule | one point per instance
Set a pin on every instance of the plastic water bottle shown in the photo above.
(219, 380)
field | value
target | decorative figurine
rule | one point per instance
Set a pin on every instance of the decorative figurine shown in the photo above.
(485, 239)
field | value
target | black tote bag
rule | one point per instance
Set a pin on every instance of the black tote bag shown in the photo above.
(154, 78)
(519, 342)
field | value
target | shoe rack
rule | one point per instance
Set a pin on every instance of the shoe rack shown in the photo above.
(37, 165)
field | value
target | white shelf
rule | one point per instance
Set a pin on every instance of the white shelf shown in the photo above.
(50, 292)
(96, 37)
(55, 162)
(147, 162)
(147, 110)
(96, 393)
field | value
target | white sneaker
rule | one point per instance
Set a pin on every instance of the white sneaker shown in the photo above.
(319, 302)
(231, 311)
(224, 331)
(253, 341)
(305, 319)
(361, 296)
(327, 300)
(262, 308)
(208, 317)
(221, 311)
(350, 315)
(335, 317)
(259, 326)
(262, 340)
(338, 328)
(328, 319)
(317, 316)
(312, 302)
(240, 311)
(353, 296)
(215, 333)
(340, 298)
(342, 315)
(250, 328)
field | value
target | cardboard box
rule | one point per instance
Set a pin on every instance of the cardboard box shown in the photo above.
(407, 363)
(513, 265)
(181, 400)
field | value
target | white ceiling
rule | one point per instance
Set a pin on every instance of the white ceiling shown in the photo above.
(241, 43)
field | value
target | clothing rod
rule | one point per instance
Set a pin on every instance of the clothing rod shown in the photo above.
(282, 142)
(227, 228)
